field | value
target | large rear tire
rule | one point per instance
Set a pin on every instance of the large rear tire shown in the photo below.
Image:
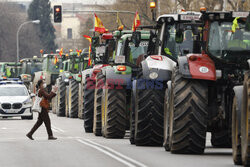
(245, 121)
(167, 102)
(115, 118)
(236, 120)
(80, 101)
(73, 99)
(132, 113)
(61, 96)
(88, 108)
(189, 110)
(97, 124)
(149, 115)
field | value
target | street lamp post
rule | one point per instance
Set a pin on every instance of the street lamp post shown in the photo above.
(17, 36)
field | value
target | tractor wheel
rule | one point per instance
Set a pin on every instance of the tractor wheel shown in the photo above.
(115, 118)
(97, 124)
(132, 114)
(245, 121)
(73, 99)
(81, 113)
(149, 115)
(188, 115)
(236, 136)
(67, 102)
(167, 102)
(88, 108)
(61, 96)
(80, 101)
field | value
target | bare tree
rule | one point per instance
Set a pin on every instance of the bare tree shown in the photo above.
(11, 18)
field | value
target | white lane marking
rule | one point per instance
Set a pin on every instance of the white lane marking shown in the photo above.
(107, 153)
(3, 128)
(58, 129)
(119, 154)
(54, 130)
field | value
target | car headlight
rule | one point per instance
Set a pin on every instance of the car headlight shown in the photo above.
(27, 102)
(153, 75)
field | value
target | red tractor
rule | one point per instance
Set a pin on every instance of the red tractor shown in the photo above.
(200, 96)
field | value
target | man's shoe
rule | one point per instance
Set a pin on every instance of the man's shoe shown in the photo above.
(30, 137)
(52, 138)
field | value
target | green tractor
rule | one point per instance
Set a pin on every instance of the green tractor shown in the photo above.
(3, 70)
(29, 67)
(69, 82)
(112, 103)
(13, 70)
(51, 64)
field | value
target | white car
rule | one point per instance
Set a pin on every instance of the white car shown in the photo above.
(15, 100)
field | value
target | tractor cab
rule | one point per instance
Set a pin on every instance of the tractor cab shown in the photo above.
(29, 67)
(180, 34)
(128, 51)
(13, 70)
(227, 40)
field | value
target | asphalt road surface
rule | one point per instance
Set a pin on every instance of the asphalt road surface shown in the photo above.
(75, 148)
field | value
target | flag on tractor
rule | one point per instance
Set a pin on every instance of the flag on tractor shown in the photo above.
(61, 52)
(136, 22)
(90, 41)
(56, 59)
(119, 22)
(99, 27)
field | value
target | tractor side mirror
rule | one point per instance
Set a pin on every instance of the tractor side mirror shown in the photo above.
(247, 28)
(136, 38)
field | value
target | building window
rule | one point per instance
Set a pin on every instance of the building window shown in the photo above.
(69, 33)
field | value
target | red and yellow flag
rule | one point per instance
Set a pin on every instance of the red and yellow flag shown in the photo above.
(61, 52)
(136, 22)
(90, 40)
(56, 59)
(99, 27)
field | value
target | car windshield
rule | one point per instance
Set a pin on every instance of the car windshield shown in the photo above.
(223, 40)
(13, 91)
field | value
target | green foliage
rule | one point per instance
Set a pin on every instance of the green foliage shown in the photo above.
(41, 10)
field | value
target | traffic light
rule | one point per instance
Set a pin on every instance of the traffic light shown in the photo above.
(58, 14)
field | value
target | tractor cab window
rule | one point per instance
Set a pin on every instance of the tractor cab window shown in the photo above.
(135, 52)
(35, 67)
(74, 66)
(178, 43)
(49, 65)
(224, 42)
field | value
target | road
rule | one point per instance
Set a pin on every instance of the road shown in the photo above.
(75, 148)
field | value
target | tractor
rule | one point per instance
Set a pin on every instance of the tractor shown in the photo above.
(200, 95)
(13, 70)
(99, 59)
(51, 64)
(69, 81)
(240, 107)
(29, 67)
(112, 102)
(147, 117)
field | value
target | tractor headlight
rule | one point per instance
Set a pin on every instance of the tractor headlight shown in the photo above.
(153, 75)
